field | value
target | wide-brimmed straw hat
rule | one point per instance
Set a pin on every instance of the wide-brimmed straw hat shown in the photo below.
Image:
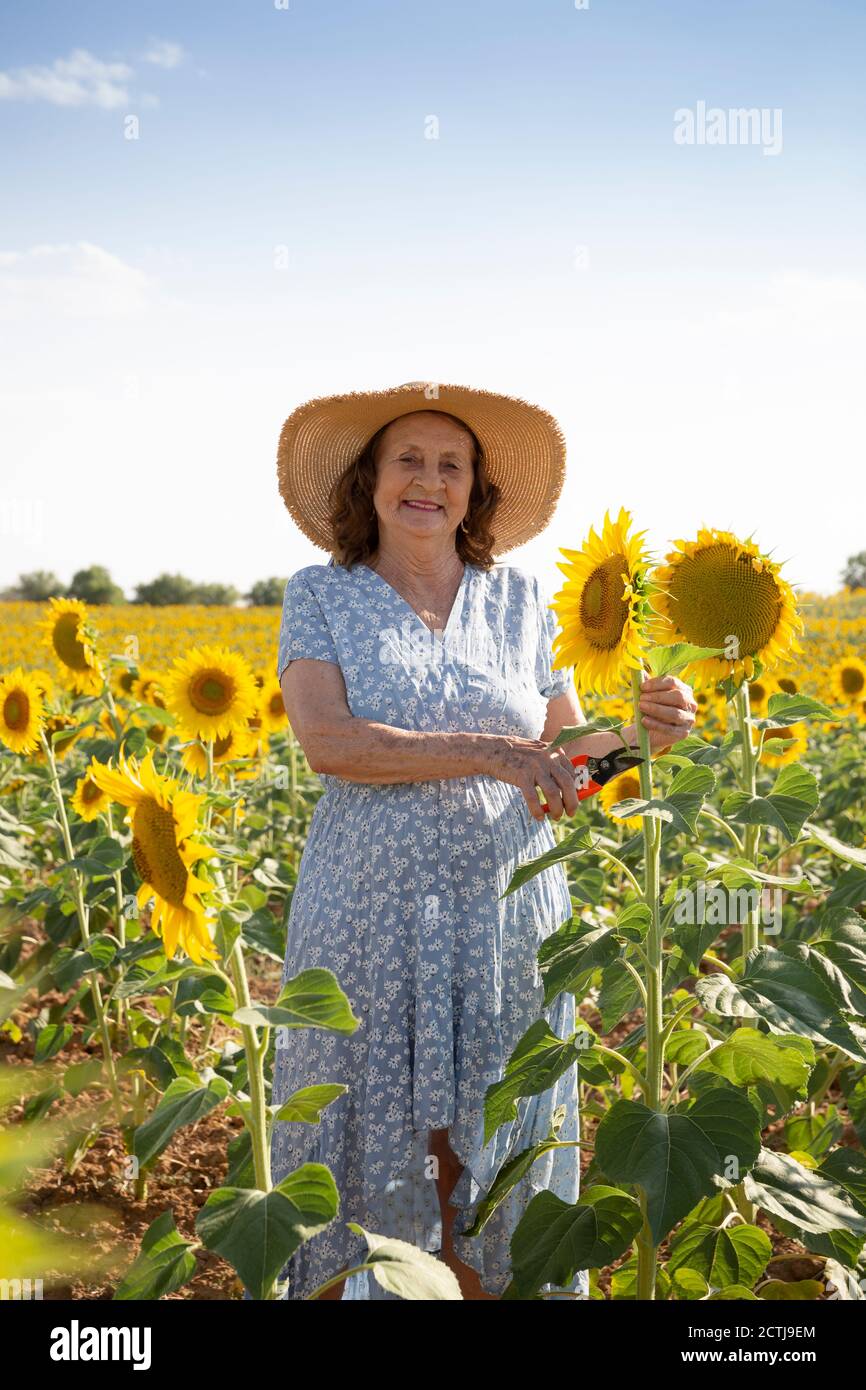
(524, 451)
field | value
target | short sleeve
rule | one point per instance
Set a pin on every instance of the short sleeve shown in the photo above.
(304, 630)
(550, 682)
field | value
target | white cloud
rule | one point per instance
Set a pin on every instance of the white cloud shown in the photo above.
(79, 80)
(164, 53)
(71, 281)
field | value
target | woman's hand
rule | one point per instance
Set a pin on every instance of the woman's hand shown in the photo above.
(527, 763)
(668, 710)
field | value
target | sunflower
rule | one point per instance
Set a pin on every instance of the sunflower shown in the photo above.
(148, 688)
(164, 818)
(21, 711)
(788, 685)
(621, 788)
(89, 798)
(237, 743)
(783, 746)
(848, 680)
(760, 690)
(62, 731)
(123, 681)
(719, 591)
(211, 691)
(602, 607)
(64, 628)
(271, 707)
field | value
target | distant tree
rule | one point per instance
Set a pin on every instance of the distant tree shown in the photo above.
(166, 589)
(215, 595)
(95, 585)
(37, 586)
(854, 573)
(267, 593)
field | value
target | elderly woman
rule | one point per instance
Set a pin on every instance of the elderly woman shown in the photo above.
(417, 676)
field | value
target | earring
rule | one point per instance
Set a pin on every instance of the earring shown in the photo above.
(464, 527)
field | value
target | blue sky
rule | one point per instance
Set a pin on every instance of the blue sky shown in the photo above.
(282, 227)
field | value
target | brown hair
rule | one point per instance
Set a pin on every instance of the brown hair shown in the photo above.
(355, 525)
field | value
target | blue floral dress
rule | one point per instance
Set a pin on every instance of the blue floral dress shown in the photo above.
(398, 894)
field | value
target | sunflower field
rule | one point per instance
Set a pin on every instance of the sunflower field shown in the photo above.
(154, 806)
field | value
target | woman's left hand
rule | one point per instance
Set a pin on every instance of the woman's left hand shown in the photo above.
(668, 710)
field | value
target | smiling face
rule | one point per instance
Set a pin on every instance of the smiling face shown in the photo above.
(424, 476)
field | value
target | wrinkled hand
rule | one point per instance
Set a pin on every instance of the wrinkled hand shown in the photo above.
(527, 763)
(668, 709)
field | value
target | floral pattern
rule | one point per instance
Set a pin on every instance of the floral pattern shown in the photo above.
(398, 893)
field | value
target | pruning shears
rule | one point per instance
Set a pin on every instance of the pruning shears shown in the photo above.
(595, 772)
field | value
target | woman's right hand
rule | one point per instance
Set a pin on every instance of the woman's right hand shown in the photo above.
(529, 762)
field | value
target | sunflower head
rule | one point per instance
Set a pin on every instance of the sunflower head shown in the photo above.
(164, 822)
(210, 691)
(621, 788)
(718, 591)
(22, 711)
(65, 629)
(89, 799)
(848, 680)
(784, 745)
(603, 607)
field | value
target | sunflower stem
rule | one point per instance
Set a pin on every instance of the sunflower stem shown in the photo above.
(751, 839)
(257, 1115)
(84, 926)
(646, 1251)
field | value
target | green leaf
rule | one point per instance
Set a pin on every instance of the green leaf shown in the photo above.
(183, 1103)
(783, 710)
(793, 799)
(106, 855)
(50, 1040)
(164, 1263)
(681, 805)
(667, 661)
(511, 1173)
(791, 989)
(568, 957)
(306, 1106)
(258, 1232)
(791, 1291)
(312, 999)
(554, 1239)
(604, 724)
(804, 1196)
(406, 1271)
(578, 842)
(538, 1060)
(679, 1157)
(749, 1056)
(849, 853)
(722, 1255)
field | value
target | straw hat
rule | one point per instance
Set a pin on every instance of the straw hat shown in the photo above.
(523, 446)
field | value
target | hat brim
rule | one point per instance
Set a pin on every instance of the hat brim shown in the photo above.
(523, 446)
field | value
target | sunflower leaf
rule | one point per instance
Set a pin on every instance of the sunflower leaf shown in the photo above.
(667, 661)
(786, 709)
(682, 804)
(793, 798)
(604, 724)
(578, 842)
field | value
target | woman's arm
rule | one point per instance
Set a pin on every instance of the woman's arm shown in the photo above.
(667, 707)
(338, 743)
